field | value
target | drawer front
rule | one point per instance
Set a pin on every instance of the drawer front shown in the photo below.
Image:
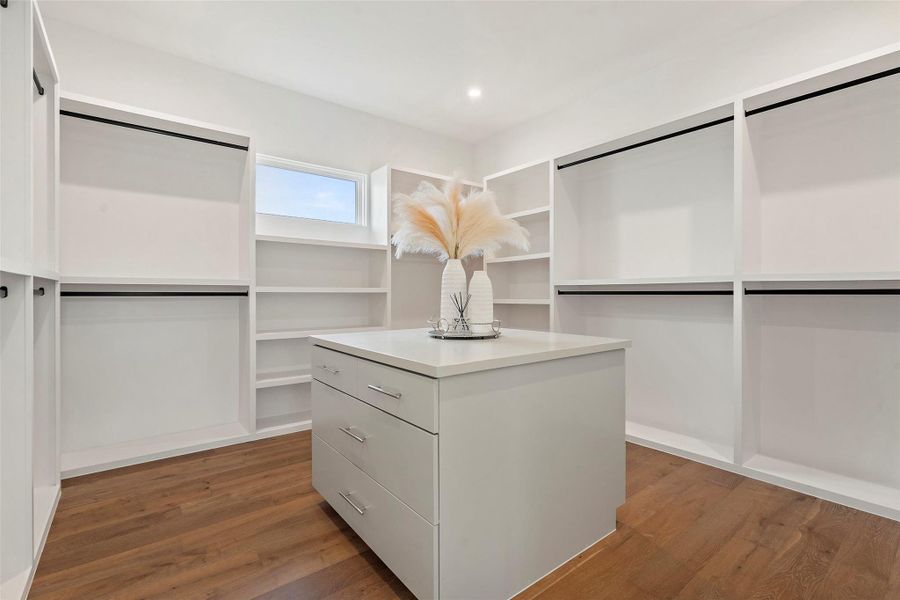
(406, 395)
(402, 539)
(336, 369)
(399, 456)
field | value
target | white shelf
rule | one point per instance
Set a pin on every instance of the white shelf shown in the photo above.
(530, 212)
(15, 266)
(92, 280)
(523, 301)
(288, 334)
(282, 377)
(871, 497)
(437, 176)
(281, 424)
(518, 258)
(91, 460)
(314, 242)
(641, 281)
(883, 279)
(147, 118)
(319, 290)
(678, 444)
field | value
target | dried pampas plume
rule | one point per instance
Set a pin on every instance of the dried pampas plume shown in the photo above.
(448, 225)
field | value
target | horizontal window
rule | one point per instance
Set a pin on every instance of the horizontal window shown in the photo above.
(290, 189)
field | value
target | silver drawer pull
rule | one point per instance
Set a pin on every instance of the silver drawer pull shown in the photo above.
(346, 496)
(329, 369)
(381, 390)
(349, 431)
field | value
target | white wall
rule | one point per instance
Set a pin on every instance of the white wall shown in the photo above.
(807, 36)
(283, 123)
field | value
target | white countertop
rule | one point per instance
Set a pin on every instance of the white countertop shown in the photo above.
(414, 350)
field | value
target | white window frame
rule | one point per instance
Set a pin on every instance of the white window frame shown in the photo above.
(361, 180)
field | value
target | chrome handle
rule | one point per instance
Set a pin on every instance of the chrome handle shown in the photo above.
(349, 431)
(329, 369)
(346, 496)
(381, 390)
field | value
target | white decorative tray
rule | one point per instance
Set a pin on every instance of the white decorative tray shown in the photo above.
(462, 330)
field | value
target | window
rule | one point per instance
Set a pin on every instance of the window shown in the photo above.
(291, 189)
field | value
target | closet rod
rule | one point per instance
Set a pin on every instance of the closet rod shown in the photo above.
(829, 291)
(824, 91)
(37, 82)
(644, 292)
(647, 142)
(97, 294)
(184, 136)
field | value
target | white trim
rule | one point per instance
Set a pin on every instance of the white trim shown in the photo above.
(284, 239)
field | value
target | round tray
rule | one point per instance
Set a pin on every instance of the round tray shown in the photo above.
(462, 335)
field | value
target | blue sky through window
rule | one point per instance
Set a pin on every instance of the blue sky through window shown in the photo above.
(292, 193)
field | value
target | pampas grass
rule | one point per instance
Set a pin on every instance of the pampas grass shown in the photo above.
(446, 224)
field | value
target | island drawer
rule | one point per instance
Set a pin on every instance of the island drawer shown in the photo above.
(336, 369)
(399, 456)
(402, 539)
(406, 395)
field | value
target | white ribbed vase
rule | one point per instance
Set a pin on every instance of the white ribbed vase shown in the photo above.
(481, 306)
(453, 281)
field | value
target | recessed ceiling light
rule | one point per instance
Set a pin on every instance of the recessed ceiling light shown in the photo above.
(474, 92)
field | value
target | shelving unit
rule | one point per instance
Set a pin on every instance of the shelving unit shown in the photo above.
(157, 269)
(306, 285)
(750, 251)
(523, 293)
(415, 279)
(29, 300)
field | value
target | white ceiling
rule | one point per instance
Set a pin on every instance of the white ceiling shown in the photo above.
(414, 61)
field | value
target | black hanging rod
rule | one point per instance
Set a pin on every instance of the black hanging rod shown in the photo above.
(644, 292)
(828, 291)
(100, 294)
(37, 82)
(822, 92)
(184, 136)
(647, 142)
(4, 291)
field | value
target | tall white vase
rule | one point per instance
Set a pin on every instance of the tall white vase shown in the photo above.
(481, 306)
(453, 281)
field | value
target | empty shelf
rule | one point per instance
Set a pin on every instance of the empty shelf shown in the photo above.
(319, 290)
(283, 377)
(291, 334)
(519, 258)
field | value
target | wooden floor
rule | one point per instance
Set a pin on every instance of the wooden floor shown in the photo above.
(244, 522)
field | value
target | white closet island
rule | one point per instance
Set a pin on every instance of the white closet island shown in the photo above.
(472, 468)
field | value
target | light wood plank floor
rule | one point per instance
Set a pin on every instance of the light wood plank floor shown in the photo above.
(244, 522)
